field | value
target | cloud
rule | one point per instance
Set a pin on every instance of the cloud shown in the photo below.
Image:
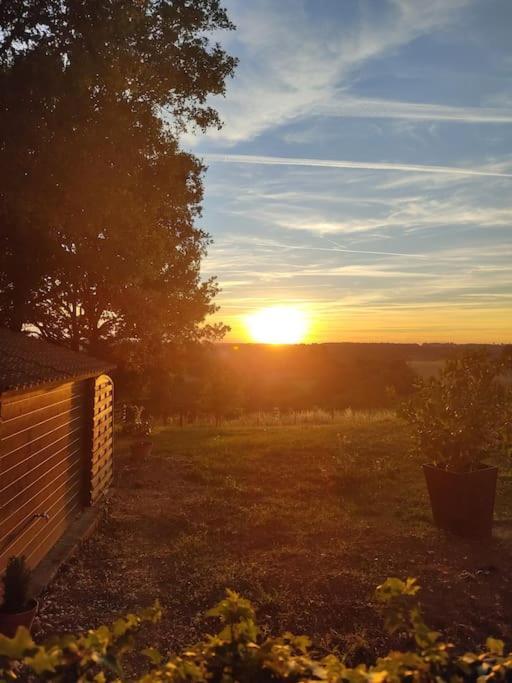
(296, 62)
(359, 107)
(345, 164)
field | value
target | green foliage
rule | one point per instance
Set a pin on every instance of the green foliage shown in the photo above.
(94, 656)
(221, 392)
(137, 423)
(98, 202)
(238, 652)
(174, 394)
(16, 586)
(463, 415)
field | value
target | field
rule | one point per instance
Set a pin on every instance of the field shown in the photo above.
(278, 514)
(426, 368)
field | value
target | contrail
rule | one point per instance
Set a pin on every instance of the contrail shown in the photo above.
(338, 248)
(361, 165)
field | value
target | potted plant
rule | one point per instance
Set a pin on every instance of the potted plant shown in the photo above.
(139, 428)
(460, 420)
(18, 608)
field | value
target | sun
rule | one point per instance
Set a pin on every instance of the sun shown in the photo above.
(278, 325)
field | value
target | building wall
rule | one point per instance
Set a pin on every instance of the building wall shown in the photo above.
(55, 459)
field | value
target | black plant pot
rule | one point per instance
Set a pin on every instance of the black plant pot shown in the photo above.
(462, 502)
(11, 621)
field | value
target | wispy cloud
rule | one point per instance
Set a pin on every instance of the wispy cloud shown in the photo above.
(364, 169)
(345, 164)
(294, 65)
(360, 107)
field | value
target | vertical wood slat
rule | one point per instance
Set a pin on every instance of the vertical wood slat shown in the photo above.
(102, 438)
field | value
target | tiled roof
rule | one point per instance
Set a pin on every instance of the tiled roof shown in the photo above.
(27, 362)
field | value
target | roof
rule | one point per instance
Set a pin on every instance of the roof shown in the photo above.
(27, 362)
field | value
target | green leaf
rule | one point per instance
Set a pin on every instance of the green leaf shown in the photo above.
(43, 661)
(153, 655)
(17, 647)
(495, 646)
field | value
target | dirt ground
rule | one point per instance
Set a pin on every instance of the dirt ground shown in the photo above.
(263, 511)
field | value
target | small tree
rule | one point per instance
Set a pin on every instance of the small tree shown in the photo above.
(462, 416)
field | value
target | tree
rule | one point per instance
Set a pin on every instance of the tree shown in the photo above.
(98, 203)
(221, 391)
(174, 394)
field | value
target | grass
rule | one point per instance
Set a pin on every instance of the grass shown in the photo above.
(303, 519)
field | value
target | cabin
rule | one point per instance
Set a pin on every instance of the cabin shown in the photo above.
(56, 442)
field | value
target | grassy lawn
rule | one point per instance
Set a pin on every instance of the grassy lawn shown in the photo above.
(262, 510)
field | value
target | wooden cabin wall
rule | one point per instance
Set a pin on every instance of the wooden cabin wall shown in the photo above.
(43, 449)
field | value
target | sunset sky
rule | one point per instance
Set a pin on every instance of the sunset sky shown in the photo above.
(364, 173)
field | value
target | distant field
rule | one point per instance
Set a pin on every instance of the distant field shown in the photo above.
(426, 368)
(265, 511)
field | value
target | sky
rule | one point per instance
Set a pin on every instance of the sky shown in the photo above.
(364, 170)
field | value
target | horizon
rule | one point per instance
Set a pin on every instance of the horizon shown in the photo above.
(362, 343)
(363, 173)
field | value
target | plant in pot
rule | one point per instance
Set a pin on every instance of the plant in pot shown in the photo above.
(460, 420)
(17, 608)
(140, 431)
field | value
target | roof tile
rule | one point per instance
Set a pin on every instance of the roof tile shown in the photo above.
(27, 362)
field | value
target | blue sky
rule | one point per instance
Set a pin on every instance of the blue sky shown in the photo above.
(364, 171)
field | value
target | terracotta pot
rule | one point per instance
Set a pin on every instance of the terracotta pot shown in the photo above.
(141, 449)
(462, 502)
(9, 622)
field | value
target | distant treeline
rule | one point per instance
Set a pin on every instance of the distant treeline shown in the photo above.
(228, 380)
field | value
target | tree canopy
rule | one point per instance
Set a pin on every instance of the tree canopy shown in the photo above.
(98, 202)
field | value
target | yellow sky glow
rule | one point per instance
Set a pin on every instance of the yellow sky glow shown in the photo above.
(277, 325)
(412, 325)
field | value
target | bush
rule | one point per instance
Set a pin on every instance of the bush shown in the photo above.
(463, 415)
(137, 423)
(238, 652)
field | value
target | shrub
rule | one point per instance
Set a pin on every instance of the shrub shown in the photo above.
(238, 652)
(462, 416)
(16, 586)
(137, 422)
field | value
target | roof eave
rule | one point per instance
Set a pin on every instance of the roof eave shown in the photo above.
(26, 388)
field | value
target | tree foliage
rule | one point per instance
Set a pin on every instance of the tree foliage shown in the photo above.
(239, 651)
(98, 203)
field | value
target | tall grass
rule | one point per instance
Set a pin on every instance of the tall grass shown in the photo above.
(317, 416)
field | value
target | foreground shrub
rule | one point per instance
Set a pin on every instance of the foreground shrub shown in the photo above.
(239, 653)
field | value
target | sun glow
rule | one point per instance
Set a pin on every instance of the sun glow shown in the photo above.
(278, 325)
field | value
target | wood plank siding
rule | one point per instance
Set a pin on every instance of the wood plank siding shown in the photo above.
(45, 464)
(56, 432)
